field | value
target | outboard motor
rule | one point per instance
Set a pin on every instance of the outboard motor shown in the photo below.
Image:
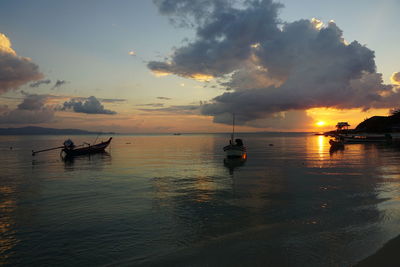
(68, 144)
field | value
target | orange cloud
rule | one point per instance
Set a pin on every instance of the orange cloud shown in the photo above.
(16, 70)
(5, 45)
(395, 78)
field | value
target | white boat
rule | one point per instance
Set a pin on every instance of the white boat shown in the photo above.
(235, 149)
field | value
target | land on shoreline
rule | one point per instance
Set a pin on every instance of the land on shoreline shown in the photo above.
(387, 256)
(375, 124)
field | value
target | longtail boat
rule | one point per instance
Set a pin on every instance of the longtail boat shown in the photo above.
(70, 150)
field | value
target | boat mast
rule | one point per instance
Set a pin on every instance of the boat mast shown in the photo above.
(233, 127)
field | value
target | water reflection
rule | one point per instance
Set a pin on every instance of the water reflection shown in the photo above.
(234, 163)
(169, 199)
(289, 204)
(335, 149)
(8, 238)
(321, 147)
(91, 161)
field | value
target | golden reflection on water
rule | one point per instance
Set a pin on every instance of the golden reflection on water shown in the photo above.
(321, 147)
(317, 151)
(320, 155)
(7, 232)
(205, 188)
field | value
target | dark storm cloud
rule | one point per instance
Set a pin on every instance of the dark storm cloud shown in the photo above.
(224, 41)
(38, 83)
(15, 70)
(270, 66)
(189, 12)
(31, 110)
(294, 119)
(89, 106)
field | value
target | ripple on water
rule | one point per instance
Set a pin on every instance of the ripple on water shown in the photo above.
(172, 200)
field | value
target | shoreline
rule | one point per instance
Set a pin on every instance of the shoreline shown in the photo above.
(387, 256)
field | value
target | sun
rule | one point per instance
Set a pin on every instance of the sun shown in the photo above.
(320, 123)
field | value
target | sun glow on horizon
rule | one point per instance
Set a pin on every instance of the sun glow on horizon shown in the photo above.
(320, 123)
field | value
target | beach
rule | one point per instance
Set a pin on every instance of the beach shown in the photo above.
(388, 255)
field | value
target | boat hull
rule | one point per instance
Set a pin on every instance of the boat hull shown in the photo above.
(98, 148)
(233, 151)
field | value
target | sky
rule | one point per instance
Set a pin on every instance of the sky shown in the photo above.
(166, 66)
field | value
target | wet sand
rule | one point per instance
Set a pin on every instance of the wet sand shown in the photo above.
(387, 256)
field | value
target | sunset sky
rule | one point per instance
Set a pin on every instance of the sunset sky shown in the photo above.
(144, 66)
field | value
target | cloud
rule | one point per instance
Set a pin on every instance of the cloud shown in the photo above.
(33, 102)
(395, 78)
(38, 83)
(31, 110)
(132, 53)
(58, 84)
(178, 109)
(151, 105)
(188, 13)
(270, 66)
(163, 98)
(111, 100)
(15, 70)
(224, 38)
(294, 119)
(89, 106)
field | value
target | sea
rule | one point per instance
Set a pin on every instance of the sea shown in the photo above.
(175, 200)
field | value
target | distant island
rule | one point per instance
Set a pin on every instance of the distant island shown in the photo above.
(33, 130)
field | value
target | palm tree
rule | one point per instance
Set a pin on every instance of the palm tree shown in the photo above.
(342, 125)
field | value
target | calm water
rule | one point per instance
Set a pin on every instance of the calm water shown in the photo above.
(171, 200)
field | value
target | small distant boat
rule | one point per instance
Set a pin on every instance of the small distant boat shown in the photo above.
(235, 149)
(70, 150)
